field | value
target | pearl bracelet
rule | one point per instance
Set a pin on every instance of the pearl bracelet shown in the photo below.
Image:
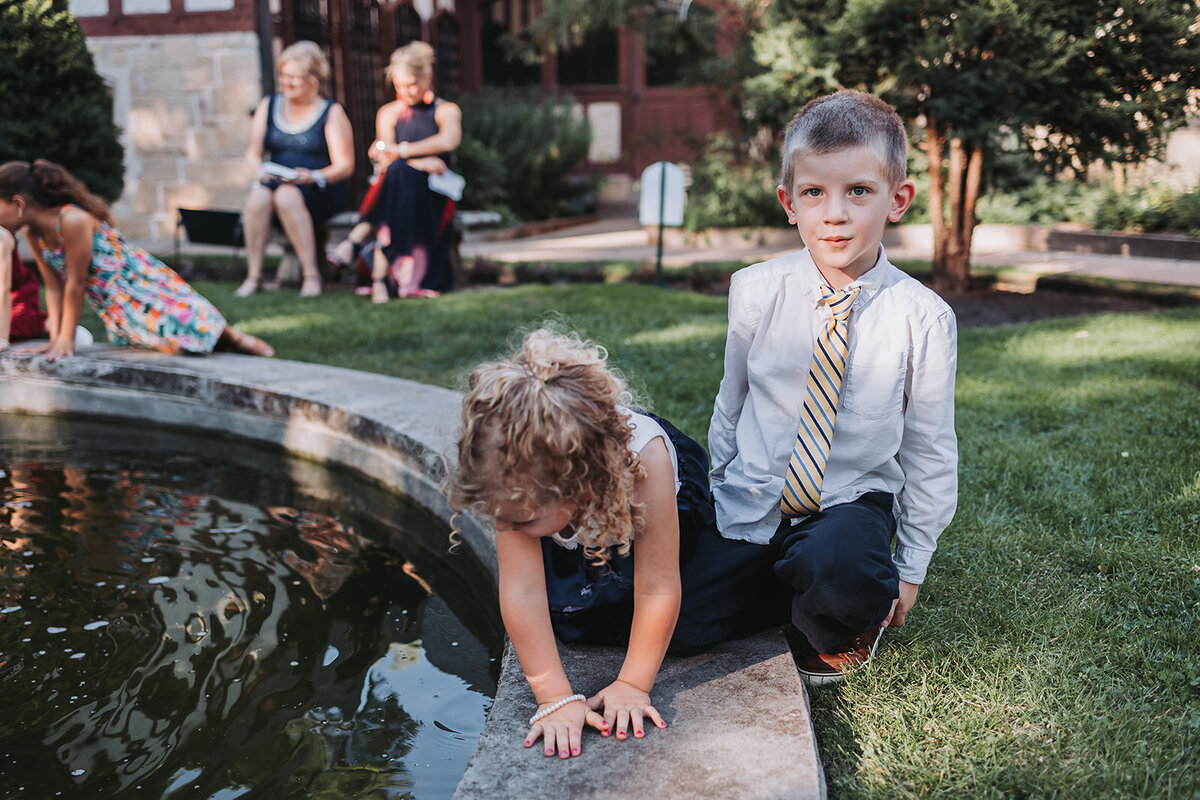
(545, 712)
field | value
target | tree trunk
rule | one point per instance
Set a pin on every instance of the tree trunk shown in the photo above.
(955, 192)
(933, 144)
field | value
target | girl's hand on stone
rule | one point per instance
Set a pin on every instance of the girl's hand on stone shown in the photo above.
(625, 706)
(63, 349)
(562, 730)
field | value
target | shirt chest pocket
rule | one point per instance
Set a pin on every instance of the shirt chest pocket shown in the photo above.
(875, 385)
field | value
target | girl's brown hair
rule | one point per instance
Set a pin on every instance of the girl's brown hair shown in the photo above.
(544, 427)
(46, 185)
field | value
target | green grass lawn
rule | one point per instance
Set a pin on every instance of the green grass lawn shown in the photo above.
(1053, 651)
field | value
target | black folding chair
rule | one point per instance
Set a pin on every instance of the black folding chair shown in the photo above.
(210, 226)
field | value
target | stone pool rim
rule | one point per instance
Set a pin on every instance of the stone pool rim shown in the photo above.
(390, 432)
(398, 434)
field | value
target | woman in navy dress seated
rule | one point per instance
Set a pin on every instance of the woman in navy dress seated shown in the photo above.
(301, 152)
(417, 134)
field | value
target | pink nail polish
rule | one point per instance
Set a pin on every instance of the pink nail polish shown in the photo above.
(638, 733)
(575, 751)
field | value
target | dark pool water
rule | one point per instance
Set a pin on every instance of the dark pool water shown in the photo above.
(193, 618)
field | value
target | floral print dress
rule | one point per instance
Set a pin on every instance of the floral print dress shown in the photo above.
(142, 301)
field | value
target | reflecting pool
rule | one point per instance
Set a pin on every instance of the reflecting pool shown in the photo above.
(183, 617)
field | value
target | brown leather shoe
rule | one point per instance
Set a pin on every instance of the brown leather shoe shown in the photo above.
(821, 668)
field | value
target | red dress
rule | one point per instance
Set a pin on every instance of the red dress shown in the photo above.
(28, 319)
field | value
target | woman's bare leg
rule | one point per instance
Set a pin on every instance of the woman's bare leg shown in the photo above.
(379, 271)
(298, 226)
(256, 229)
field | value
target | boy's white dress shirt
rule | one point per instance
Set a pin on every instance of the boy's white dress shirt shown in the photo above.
(895, 423)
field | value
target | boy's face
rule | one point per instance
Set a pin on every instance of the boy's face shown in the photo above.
(840, 202)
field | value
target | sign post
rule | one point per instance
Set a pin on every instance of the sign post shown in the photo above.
(661, 203)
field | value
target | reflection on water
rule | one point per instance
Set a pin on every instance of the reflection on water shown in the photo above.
(179, 619)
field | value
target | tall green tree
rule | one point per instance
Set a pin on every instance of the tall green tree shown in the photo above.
(53, 104)
(1072, 81)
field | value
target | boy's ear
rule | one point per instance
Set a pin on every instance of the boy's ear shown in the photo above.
(901, 199)
(785, 200)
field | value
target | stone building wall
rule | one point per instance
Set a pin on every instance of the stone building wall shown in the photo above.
(183, 103)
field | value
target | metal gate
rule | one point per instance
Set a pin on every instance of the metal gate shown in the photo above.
(349, 33)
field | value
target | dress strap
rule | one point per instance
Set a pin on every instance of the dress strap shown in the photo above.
(58, 226)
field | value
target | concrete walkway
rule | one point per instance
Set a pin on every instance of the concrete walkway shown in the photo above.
(619, 237)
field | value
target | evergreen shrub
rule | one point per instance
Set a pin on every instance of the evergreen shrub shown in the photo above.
(730, 191)
(1148, 210)
(55, 105)
(517, 153)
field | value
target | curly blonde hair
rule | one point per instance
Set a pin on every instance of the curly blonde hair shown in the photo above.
(545, 426)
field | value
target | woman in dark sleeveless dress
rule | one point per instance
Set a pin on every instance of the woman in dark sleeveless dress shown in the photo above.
(417, 136)
(310, 136)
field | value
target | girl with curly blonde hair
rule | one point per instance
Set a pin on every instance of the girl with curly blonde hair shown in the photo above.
(604, 524)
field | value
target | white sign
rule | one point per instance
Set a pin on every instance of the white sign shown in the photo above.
(662, 188)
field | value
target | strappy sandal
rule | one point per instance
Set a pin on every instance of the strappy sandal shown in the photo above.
(249, 286)
(342, 254)
(379, 291)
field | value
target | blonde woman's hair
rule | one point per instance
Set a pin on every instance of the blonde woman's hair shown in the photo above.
(546, 426)
(415, 57)
(309, 57)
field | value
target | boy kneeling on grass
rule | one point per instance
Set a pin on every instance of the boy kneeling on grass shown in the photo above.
(833, 429)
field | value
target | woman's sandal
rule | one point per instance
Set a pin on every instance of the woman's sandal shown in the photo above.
(249, 286)
(342, 254)
(379, 291)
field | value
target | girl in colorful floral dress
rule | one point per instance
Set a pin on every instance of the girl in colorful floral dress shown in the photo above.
(141, 301)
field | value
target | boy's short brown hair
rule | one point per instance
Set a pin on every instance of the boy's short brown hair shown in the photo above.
(847, 118)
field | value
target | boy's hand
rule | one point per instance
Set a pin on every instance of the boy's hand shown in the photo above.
(562, 731)
(902, 604)
(624, 703)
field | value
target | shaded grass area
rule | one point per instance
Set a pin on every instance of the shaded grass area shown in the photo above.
(1053, 651)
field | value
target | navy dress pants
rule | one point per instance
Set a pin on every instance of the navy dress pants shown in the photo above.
(838, 563)
(728, 591)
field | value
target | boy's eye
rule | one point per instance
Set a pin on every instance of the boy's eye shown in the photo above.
(811, 193)
(858, 191)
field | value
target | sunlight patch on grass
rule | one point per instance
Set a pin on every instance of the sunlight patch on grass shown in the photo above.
(684, 332)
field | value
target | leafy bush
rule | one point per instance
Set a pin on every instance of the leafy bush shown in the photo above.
(55, 104)
(1041, 202)
(517, 152)
(728, 191)
(1148, 210)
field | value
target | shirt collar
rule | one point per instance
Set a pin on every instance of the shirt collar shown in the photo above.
(869, 283)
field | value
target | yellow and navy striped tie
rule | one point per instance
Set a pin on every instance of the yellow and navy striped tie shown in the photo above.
(806, 470)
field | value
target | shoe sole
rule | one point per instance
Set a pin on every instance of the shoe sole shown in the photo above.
(826, 678)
